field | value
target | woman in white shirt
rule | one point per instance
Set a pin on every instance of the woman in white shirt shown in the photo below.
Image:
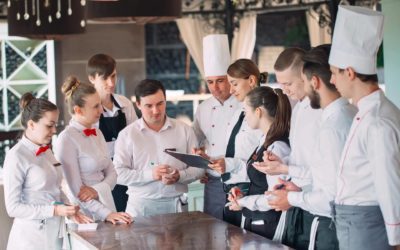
(268, 110)
(82, 150)
(243, 76)
(32, 181)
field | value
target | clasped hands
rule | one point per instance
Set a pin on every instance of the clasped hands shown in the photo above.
(166, 174)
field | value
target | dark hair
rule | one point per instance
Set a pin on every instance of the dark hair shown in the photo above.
(316, 64)
(148, 87)
(371, 79)
(290, 58)
(75, 92)
(244, 68)
(278, 107)
(34, 108)
(101, 64)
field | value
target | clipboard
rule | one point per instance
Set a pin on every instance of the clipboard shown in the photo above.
(191, 160)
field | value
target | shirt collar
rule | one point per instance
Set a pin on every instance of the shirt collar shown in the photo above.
(216, 103)
(367, 102)
(333, 107)
(29, 144)
(168, 124)
(305, 103)
(75, 124)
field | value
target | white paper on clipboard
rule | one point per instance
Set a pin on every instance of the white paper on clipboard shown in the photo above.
(191, 160)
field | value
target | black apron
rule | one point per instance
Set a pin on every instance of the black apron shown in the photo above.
(258, 185)
(110, 127)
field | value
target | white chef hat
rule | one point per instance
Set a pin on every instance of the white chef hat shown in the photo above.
(356, 39)
(216, 57)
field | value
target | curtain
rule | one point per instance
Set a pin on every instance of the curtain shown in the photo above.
(192, 33)
(244, 39)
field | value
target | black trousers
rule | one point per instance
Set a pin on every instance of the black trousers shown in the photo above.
(232, 217)
(298, 228)
(120, 197)
(267, 230)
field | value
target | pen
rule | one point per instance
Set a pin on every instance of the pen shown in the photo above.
(280, 186)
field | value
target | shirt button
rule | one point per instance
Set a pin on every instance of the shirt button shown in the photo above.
(231, 106)
(213, 108)
(213, 125)
(212, 144)
(358, 118)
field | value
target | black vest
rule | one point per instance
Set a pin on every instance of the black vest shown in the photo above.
(111, 126)
(258, 185)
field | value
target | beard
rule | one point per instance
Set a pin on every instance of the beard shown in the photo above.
(315, 99)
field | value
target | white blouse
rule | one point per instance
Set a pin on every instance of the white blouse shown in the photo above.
(260, 202)
(247, 139)
(31, 183)
(85, 161)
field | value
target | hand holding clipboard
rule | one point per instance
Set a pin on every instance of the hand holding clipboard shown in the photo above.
(192, 160)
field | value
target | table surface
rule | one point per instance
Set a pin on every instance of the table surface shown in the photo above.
(193, 230)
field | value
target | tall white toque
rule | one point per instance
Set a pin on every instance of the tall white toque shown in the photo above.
(356, 39)
(216, 56)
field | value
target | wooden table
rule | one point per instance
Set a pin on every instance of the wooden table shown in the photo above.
(193, 230)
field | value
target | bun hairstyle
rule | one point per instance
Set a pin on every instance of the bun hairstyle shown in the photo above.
(34, 108)
(244, 68)
(75, 92)
(277, 105)
(263, 77)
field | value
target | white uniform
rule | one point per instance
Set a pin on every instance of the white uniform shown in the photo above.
(85, 161)
(211, 123)
(369, 170)
(245, 142)
(126, 108)
(31, 185)
(335, 124)
(303, 129)
(138, 150)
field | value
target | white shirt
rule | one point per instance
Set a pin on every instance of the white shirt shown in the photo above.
(303, 128)
(31, 183)
(260, 202)
(139, 149)
(85, 161)
(210, 125)
(369, 170)
(246, 141)
(126, 108)
(335, 124)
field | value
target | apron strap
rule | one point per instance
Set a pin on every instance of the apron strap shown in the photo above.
(313, 233)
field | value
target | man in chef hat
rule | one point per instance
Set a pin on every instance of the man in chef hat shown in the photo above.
(367, 202)
(213, 116)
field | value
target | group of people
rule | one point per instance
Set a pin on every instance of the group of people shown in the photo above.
(321, 175)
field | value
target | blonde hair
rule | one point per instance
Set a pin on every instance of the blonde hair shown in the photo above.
(75, 92)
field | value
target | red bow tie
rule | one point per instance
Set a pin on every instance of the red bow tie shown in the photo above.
(42, 150)
(90, 131)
